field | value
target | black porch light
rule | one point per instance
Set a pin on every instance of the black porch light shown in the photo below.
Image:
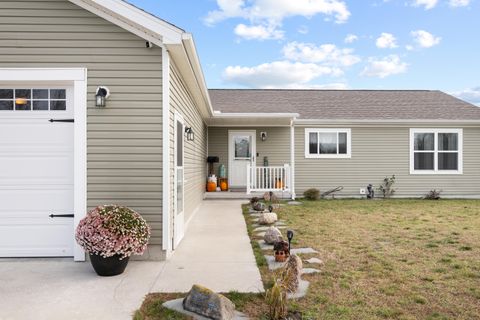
(190, 134)
(101, 97)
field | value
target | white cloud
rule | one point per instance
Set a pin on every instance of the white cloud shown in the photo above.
(427, 4)
(259, 32)
(350, 38)
(303, 29)
(386, 40)
(326, 53)
(271, 13)
(384, 67)
(459, 3)
(278, 74)
(425, 39)
(471, 95)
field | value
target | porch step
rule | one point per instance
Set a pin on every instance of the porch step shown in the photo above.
(242, 195)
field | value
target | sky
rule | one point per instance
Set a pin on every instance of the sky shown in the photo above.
(333, 44)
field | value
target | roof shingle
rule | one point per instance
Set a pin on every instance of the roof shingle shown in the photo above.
(346, 104)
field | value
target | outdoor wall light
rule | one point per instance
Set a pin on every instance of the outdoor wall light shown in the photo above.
(190, 134)
(101, 97)
(263, 136)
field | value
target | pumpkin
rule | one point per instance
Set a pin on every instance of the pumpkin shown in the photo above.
(223, 185)
(211, 186)
(279, 184)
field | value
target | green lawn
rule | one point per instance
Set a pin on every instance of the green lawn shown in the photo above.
(386, 259)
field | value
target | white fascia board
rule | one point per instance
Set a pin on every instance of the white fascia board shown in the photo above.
(384, 121)
(133, 19)
(255, 115)
(40, 74)
(191, 51)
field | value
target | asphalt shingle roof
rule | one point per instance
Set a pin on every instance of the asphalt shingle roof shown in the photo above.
(346, 104)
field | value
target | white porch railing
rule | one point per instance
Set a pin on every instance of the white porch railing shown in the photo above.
(262, 179)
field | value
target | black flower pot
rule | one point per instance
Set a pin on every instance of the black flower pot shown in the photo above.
(107, 267)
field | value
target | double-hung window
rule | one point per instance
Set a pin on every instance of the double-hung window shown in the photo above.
(436, 151)
(327, 143)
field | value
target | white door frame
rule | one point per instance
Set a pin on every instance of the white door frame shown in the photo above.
(76, 77)
(178, 217)
(231, 156)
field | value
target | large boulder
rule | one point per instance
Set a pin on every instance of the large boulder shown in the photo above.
(207, 303)
(268, 218)
(272, 235)
(291, 273)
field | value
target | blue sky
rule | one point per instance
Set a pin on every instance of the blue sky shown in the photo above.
(371, 44)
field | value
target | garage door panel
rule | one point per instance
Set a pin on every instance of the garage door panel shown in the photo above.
(20, 240)
(30, 135)
(29, 201)
(27, 170)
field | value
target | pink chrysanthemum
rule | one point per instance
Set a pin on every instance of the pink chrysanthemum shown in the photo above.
(113, 230)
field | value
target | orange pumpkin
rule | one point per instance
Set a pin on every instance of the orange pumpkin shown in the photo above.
(211, 186)
(224, 185)
(279, 184)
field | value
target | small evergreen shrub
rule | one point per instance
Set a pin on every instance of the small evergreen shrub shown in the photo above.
(312, 194)
(432, 195)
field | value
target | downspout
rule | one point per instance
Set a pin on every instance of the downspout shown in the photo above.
(292, 156)
(166, 239)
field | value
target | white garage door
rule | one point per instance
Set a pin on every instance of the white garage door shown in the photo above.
(36, 171)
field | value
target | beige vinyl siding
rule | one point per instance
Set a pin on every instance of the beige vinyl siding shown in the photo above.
(195, 152)
(276, 147)
(378, 152)
(125, 138)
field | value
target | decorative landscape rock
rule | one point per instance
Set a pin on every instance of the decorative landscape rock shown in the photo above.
(314, 260)
(270, 197)
(268, 218)
(272, 235)
(259, 206)
(293, 271)
(205, 302)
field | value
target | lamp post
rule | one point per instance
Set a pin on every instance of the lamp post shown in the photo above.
(289, 237)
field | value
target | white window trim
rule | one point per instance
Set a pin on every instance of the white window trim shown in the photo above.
(78, 78)
(348, 131)
(436, 131)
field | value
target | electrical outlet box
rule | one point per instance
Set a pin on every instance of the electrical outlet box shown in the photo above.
(363, 191)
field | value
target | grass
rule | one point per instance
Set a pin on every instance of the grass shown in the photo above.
(392, 259)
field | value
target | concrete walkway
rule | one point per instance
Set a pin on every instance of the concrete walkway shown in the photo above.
(216, 253)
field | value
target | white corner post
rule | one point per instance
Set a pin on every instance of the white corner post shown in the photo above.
(249, 176)
(292, 158)
(166, 239)
(80, 156)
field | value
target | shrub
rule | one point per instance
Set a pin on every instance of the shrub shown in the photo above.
(113, 230)
(312, 194)
(387, 186)
(433, 195)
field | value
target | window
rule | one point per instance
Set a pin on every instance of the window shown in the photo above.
(327, 143)
(33, 99)
(436, 151)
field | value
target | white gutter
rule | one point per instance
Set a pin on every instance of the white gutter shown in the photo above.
(254, 115)
(383, 121)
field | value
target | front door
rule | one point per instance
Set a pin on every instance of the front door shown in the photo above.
(179, 216)
(242, 151)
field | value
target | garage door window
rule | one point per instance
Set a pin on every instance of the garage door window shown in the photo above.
(33, 99)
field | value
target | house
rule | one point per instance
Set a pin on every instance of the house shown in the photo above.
(101, 102)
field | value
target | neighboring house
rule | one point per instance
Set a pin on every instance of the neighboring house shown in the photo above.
(147, 147)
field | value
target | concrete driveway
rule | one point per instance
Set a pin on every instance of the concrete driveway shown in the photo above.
(216, 253)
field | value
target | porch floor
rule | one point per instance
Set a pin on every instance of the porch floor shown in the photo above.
(240, 195)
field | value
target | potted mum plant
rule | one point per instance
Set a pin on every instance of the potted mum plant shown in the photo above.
(110, 235)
